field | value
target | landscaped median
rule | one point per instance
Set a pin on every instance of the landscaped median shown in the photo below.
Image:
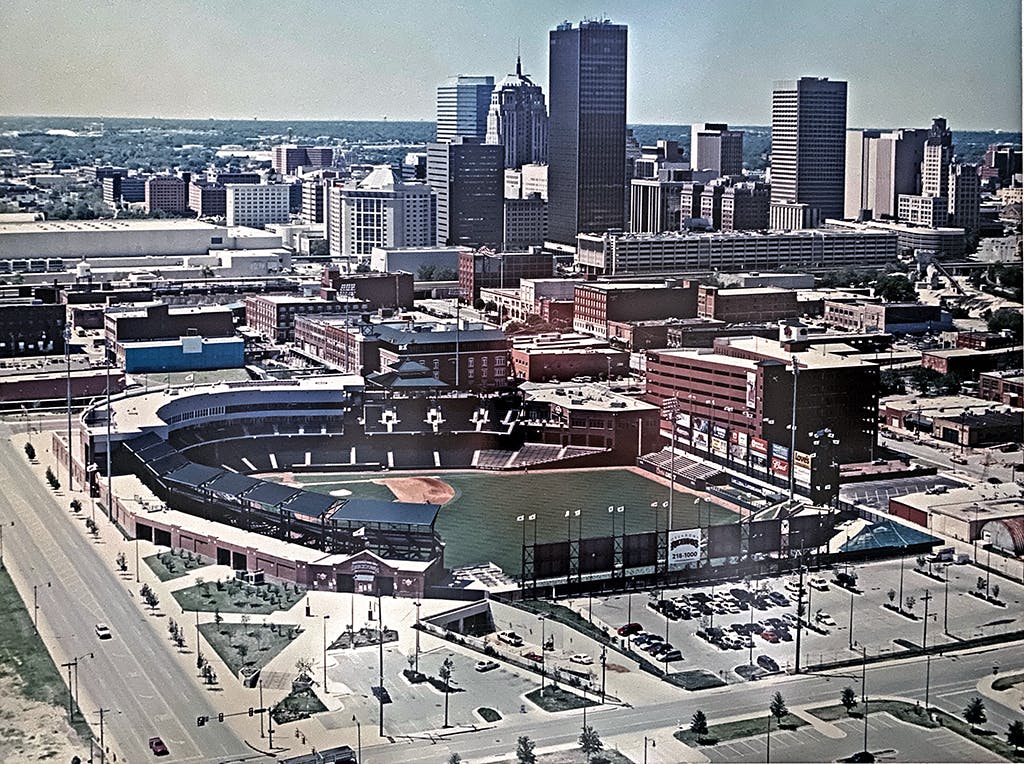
(170, 565)
(721, 733)
(248, 646)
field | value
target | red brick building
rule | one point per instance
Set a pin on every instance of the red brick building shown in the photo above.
(596, 304)
(736, 306)
(377, 290)
(486, 269)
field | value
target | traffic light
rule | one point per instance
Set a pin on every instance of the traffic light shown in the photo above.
(250, 710)
(220, 716)
(200, 721)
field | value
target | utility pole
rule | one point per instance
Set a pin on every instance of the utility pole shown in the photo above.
(103, 750)
(261, 706)
(799, 617)
(35, 605)
(604, 661)
(380, 665)
(68, 666)
(945, 602)
(67, 361)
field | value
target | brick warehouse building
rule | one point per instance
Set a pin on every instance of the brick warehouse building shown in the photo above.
(485, 269)
(756, 304)
(740, 395)
(356, 347)
(597, 304)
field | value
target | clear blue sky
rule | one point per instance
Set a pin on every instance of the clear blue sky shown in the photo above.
(698, 60)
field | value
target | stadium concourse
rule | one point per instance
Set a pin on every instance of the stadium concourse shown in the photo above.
(194, 451)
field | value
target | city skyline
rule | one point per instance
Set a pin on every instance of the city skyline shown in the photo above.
(905, 63)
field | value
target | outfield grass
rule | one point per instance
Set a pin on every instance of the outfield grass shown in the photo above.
(22, 653)
(487, 503)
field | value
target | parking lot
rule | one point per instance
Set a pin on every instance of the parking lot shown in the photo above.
(888, 739)
(876, 494)
(875, 627)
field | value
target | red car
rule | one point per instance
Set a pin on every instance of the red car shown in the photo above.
(768, 635)
(533, 657)
(156, 745)
(630, 629)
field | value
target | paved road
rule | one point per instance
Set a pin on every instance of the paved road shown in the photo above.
(953, 683)
(135, 674)
(942, 457)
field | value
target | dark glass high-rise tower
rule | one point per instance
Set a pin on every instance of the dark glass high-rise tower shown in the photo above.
(586, 129)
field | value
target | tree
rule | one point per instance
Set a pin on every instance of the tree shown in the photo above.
(50, 477)
(446, 674)
(699, 724)
(590, 742)
(76, 505)
(891, 594)
(895, 287)
(921, 561)
(778, 707)
(974, 712)
(30, 451)
(455, 758)
(363, 268)
(891, 383)
(1008, 319)
(1015, 734)
(122, 562)
(524, 750)
(910, 602)
(995, 591)
(848, 698)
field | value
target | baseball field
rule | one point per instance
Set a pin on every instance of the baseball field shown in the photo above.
(479, 509)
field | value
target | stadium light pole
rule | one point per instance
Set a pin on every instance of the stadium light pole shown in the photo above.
(325, 619)
(110, 418)
(417, 603)
(67, 363)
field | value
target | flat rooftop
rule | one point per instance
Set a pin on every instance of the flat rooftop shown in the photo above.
(981, 502)
(127, 226)
(586, 396)
(807, 359)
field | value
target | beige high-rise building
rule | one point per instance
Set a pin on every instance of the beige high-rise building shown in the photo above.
(880, 166)
(713, 146)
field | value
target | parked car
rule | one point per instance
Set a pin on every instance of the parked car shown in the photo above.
(819, 583)
(103, 631)
(790, 619)
(670, 655)
(486, 665)
(630, 629)
(510, 638)
(775, 623)
(784, 634)
(767, 663)
(769, 635)
(533, 657)
(581, 658)
(824, 618)
(779, 599)
(156, 745)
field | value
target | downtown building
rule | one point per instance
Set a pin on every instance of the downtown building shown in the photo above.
(288, 158)
(587, 138)
(736, 402)
(257, 206)
(682, 252)
(462, 105)
(518, 120)
(166, 193)
(377, 211)
(808, 151)
(714, 147)
(466, 177)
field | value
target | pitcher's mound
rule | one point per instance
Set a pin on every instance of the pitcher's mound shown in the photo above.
(420, 490)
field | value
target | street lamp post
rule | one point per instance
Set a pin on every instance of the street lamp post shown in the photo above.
(326, 618)
(359, 738)
(945, 601)
(35, 605)
(417, 603)
(543, 656)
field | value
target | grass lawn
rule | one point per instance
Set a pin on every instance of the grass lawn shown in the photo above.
(488, 714)
(168, 566)
(1007, 682)
(720, 733)
(249, 645)
(489, 502)
(23, 654)
(562, 614)
(576, 756)
(556, 699)
(994, 740)
(298, 705)
(236, 597)
(698, 679)
(361, 488)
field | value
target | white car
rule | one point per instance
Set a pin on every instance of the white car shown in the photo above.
(824, 618)
(581, 658)
(792, 586)
(103, 631)
(486, 665)
(819, 583)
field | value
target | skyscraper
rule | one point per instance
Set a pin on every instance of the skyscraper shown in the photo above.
(462, 104)
(938, 154)
(879, 168)
(518, 119)
(587, 129)
(809, 144)
(713, 146)
(467, 178)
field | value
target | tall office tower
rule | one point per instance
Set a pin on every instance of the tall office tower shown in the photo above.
(880, 167)
(587, 129)
(467, 179)
(938, 154)
(462, 104)
(167, 193)
(257, 205)
(713, 146)
(655, 189)
(965, 197)
(518, 119)
(809, 146)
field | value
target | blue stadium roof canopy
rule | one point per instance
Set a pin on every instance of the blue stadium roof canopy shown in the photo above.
(232, 484)
(269, 493)
(193, 475)
(377, 512)
(887, 533)
(310, 504)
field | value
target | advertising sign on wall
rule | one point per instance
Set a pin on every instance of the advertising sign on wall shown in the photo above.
(759, 453)
(802, 469)
(700, 433)
(751, 390)
(719, 447)
(684, 548)
(737, 446)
